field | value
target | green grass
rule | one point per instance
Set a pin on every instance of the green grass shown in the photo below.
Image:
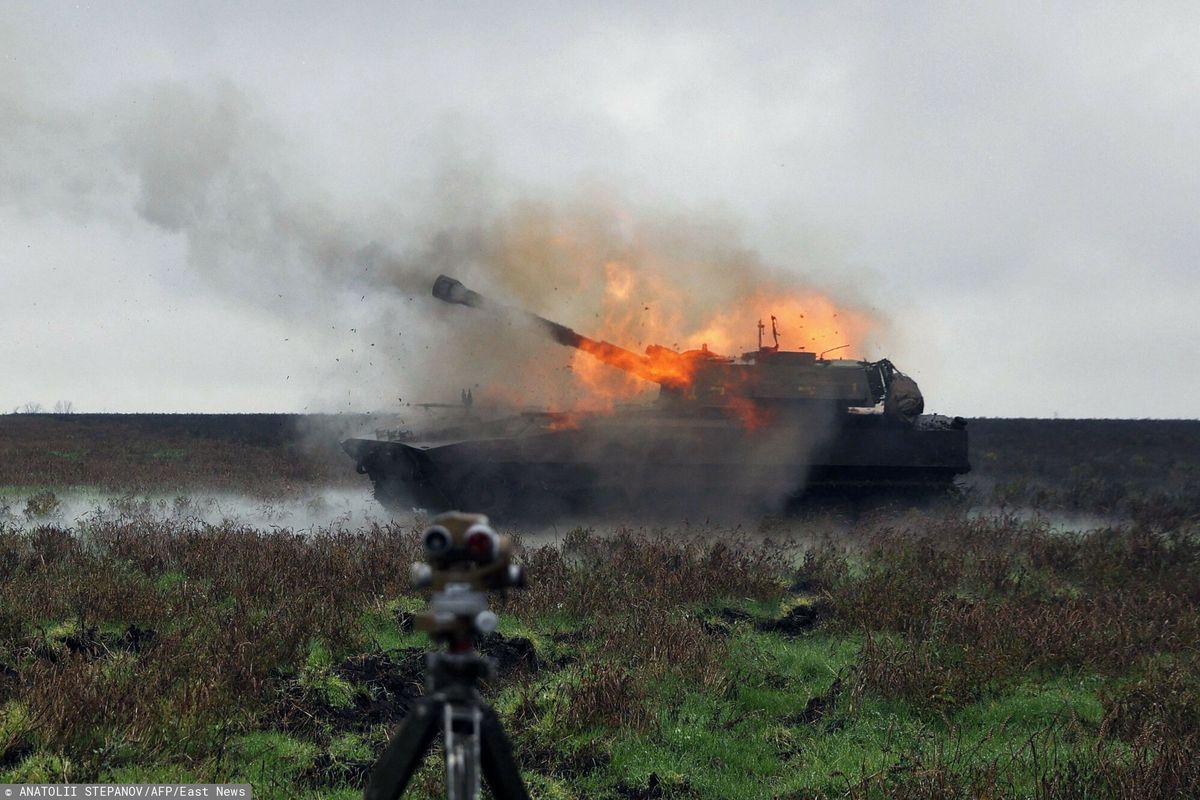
(920, 677)
(978, 654)
(380, 628)
(706, 742)
(316, 676)
(39, 768)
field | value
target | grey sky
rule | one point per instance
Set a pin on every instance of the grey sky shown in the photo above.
(186, 190)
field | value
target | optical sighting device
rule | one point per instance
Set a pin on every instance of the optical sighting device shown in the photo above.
(464, 560)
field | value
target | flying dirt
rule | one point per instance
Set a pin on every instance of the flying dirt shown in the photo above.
(762, 429)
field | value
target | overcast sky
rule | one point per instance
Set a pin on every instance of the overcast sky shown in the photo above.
(193, 196)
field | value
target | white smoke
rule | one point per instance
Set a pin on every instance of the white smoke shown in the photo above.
(202, 164)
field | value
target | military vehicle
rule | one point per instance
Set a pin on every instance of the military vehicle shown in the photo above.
(766, 428)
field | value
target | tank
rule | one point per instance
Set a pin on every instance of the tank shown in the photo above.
(766, 428)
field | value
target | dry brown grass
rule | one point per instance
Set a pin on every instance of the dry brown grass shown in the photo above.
(147, 641)
(637, 592)
(262, 454)
(222, 609)
(967, 605)
(166, 637)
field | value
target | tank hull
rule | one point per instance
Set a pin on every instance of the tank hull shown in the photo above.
(646, 459)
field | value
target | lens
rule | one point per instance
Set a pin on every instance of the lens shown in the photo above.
(486, 622)
(482, 543)
(420, 575)
(437, 540)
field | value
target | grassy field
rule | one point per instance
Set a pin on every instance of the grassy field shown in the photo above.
(972, 648)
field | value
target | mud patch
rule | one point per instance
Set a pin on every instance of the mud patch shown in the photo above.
(726, 618)
(818, 707)
(138, 639)
(385, 687)
(8, 673)
(329, 771)
(571, 639)
(510, 655)
(733, 616)
(91, 643)
(652, 790)
(587, 759)
(775, 680)
(391, 684)
(15, 753)
(547, 760)
(655, 788)
(802, 585)
(568, 637)
(799, 620)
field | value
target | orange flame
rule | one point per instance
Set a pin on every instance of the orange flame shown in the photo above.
(752, 415)
(639, 310)
(677, 283)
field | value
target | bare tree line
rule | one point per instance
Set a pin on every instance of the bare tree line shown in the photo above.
(60, 407)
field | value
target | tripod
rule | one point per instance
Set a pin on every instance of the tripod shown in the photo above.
(464, 559)
(472, 733)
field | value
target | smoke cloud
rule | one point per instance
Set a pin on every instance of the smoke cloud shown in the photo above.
(200, 164)
(1014, 184)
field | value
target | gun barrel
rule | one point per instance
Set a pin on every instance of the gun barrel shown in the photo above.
(449, 290)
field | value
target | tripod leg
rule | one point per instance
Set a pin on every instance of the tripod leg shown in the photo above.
(405, 752)
(499, 766)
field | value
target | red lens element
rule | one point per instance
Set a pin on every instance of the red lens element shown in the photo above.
(481, 545)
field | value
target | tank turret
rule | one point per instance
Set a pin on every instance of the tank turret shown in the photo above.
(768, 377)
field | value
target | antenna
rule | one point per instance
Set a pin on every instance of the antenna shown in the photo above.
(830, 350)
(775, 331)
(761, 328)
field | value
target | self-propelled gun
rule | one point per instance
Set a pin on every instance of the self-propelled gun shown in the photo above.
(765, 427)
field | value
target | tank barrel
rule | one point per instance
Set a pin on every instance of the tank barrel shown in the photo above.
(449, 290)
